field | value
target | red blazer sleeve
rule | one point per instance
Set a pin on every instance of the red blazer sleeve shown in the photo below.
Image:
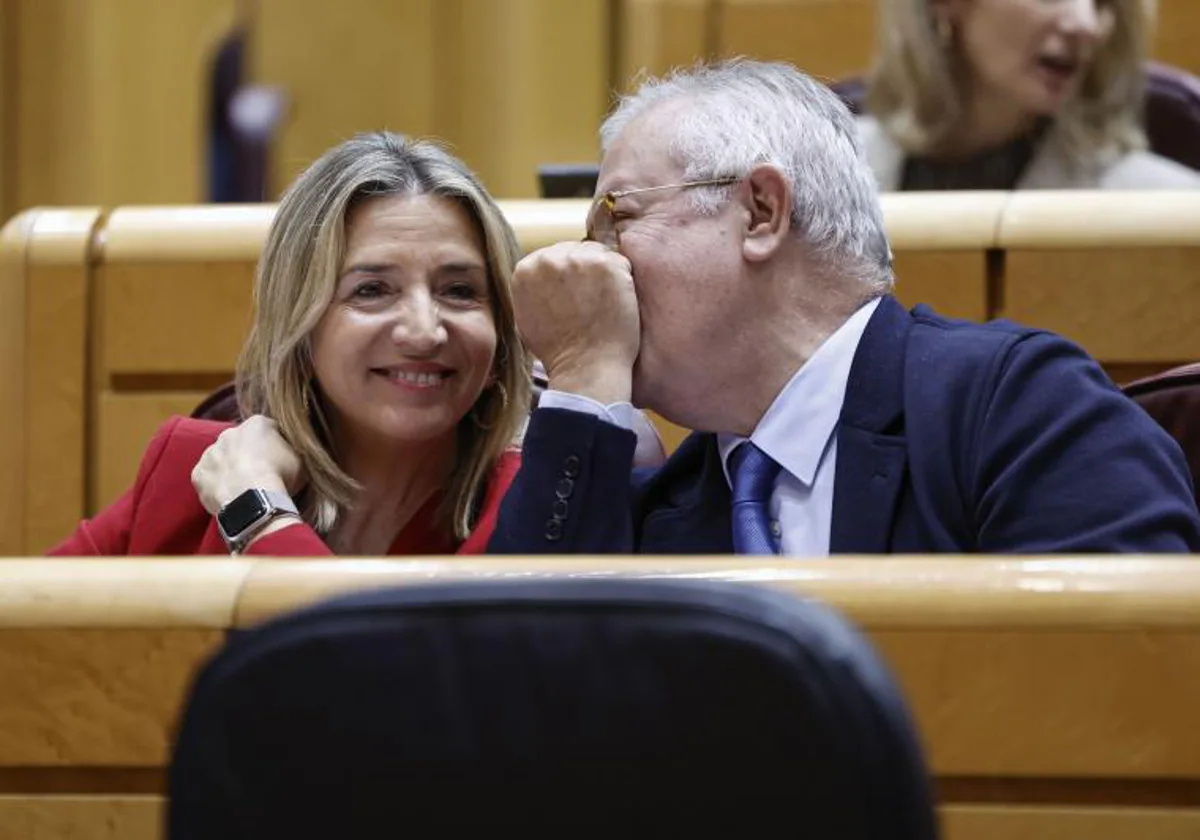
(108, 533)
(298, 540)
(502, 477)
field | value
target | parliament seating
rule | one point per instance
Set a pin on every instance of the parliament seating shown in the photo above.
(114, 321)
(1116, 273)
(1055, 697)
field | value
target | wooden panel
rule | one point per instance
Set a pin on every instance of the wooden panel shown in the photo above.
(921, 221)
(124, 425)
(1174, 38)
(827, 39)
(81, 817)
(14, 249)
(1101, 220)
(56, 389)
(120, 594)
(1128, 305)
(1052, 683)
(94, 697)
(521, 83)
(355, 65)
(1006, 822)
(909, 593)
(43, 296)
(146, 309)
(113, 98)
(55, 103)
(150, 75)
(1116, 273)
(221, 233)
(1036, 702)
(953, 282)
(546, 221)
(8, 67)
(1040, 670)
(139, 818)
(656, 35)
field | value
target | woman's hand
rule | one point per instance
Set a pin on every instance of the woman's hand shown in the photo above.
(252, 455)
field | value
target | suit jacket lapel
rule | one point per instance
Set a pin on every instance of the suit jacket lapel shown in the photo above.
(872, 454)
(687, 503)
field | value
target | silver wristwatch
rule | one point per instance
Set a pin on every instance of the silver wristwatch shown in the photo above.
(243, 517)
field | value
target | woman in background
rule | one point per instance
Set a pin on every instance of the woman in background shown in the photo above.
(1012, 94)
(383, 379)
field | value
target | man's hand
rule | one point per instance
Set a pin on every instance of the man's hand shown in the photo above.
(577, 312)
(252, 455)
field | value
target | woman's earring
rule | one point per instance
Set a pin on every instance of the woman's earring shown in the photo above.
(497, 411)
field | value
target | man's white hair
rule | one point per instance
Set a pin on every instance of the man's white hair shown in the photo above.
(741, 113)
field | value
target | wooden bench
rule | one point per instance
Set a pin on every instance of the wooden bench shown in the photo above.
(1118, 273)
(113, 323)
(1056, 698)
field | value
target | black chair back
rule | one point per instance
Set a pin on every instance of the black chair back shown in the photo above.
(555, 708)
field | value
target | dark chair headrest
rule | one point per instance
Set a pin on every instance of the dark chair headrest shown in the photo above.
(1172, 398)
(551, 706)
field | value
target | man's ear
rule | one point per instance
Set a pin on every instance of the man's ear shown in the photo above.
(767, 194)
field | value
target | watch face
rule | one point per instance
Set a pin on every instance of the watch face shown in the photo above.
(242, 512)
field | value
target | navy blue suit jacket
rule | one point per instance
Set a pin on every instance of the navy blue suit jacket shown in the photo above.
(954, 437)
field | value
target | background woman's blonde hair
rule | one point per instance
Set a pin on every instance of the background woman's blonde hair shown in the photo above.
(295, 282)
(912, 92)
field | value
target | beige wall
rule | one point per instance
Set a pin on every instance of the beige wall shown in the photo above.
(104, 102)
(111, 101)
(506, 84)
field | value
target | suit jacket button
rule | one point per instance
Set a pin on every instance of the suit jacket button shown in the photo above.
(571, 466)
(565, 488)
(561, 509)
(554, 530)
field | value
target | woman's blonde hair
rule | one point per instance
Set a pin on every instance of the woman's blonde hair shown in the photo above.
(294, 285)
(912, 92)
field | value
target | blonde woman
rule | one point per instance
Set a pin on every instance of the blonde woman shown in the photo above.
(1012, 94)
(383, 380)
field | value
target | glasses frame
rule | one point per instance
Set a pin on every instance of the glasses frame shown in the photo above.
(608, 202)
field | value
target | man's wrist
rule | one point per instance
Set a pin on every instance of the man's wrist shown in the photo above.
(606, 384)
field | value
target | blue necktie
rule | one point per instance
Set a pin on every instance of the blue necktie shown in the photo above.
(753, 474)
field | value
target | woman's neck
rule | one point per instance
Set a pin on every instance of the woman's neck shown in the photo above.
(988, 123)
(395, 483)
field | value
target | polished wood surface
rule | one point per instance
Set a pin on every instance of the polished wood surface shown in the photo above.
(81, 817)
(44, 263)
(1055, 696)
(967, 822)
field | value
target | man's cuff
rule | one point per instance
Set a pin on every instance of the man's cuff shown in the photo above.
(619, 414)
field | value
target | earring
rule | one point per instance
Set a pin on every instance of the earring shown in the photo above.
(497, 413)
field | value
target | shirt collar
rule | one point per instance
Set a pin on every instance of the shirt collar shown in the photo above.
(798, 426)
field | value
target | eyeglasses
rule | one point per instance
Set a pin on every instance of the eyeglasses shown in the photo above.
(602, 221)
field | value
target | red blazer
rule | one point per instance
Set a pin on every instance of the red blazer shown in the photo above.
(162, 515)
